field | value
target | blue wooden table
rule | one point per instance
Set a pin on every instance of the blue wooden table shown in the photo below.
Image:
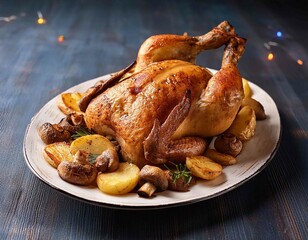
(80, 40)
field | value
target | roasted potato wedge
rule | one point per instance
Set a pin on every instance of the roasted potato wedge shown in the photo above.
(121, 181)
(221, 158)
(256, 106)
(68, 102)
(203, 167)
(57, 152)
(247, 89)
(93, 144)
(244, 124)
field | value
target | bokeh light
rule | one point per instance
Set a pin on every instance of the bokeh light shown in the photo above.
(41, 21)
(60, 38)
(270, 56)
(300, 62)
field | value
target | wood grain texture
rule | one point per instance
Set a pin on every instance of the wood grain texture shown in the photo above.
(103, 37)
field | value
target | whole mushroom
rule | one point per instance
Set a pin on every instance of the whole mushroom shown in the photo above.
(151, 179)
(108, 161)
(79, 172)
(229, 144)
(51, 133)
(62, 131)
(73, 122)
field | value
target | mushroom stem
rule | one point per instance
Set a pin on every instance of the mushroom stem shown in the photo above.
(151, 179)
(146, 190)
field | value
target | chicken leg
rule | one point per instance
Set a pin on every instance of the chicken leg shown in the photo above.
(221, 99)
(165, 47)
(219, 102)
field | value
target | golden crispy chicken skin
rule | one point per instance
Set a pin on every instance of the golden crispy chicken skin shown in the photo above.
(128, 109)
(214, 111)
(165, 106)
(165, 47)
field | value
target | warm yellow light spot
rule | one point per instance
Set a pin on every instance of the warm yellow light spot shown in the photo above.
(270, 56)
(60, 38)
(41, 20)
(300, 62)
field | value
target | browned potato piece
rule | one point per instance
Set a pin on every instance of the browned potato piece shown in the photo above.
(121, 181)
(247, 89)
(57, 152)
(93, 144)
(244, 124)
(221, 158)
(203, 167)
(256, 106)
(68, 102)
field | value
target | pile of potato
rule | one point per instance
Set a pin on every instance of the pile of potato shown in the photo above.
(121, 181)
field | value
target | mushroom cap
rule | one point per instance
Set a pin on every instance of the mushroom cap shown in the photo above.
(154, 175)
(51, 133)
(79, 172)
(228, 143)
(76, 173)
(108, 161)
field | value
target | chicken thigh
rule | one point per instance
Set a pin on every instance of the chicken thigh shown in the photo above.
(164, 106)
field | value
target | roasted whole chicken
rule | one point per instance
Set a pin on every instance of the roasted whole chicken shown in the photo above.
(163, 107)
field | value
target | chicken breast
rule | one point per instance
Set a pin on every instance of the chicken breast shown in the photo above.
(128, 109)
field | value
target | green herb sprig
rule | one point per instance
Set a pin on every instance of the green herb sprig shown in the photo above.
(92, 158)
(180, 171)
(80, 133)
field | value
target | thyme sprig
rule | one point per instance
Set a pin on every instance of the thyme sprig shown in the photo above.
(80, 133)
(92, 158)
(180, 171)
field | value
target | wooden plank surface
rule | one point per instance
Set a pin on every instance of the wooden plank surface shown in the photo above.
(104, 36)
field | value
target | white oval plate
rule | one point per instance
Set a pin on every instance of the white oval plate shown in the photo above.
(255, 156)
